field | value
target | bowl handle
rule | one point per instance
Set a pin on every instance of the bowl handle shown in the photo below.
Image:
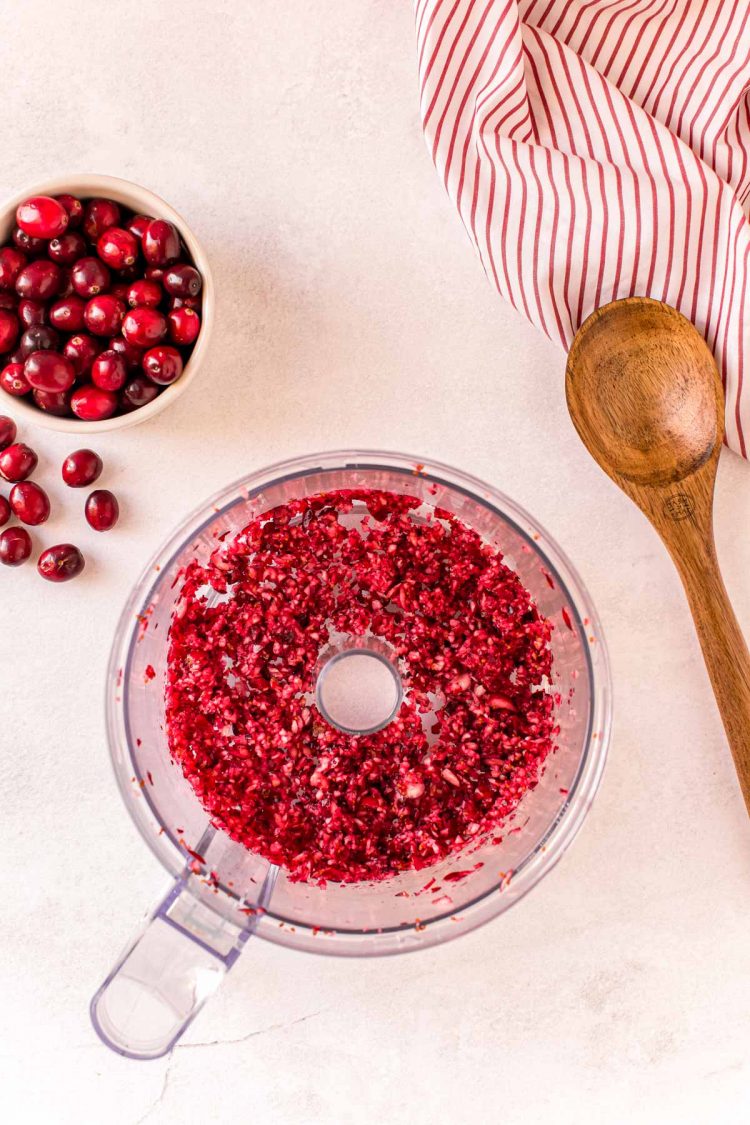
(170, 967)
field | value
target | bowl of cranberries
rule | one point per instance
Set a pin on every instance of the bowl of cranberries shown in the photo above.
(106, 304)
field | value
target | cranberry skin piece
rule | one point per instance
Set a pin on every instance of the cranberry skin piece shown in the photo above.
(137, 225)
(53, 402)
(145, 294)
(12, 261)
(67, 249)
(74, 207)
(129, 352)
(49, 371)
(81, 350)
(29, 502)
(102, 510)
(5, 512)
(139, 392)
(98, 215)
(89, 276)
(160, 243)
(104, 315)
(60, 563)
(184, 326)
(67, 314)
(144, 327)
(9, 329)
(40, 337)
(7, 431)
(92, 404)
(183, 280)
(39, 280)
(163, 365)
(13, 380)
(109, 371)
(17, 462)
(15, 546)
(31, 246)
(81, 468)
(42, 217)
(117, 247)
(32, 312)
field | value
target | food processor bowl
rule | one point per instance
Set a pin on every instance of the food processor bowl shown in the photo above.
(221, 894)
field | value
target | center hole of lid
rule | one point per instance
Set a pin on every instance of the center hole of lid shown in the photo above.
(358, 691)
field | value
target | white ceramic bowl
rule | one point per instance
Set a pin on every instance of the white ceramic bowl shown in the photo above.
(142, 201)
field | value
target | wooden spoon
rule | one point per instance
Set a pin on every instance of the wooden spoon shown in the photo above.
(646, 399)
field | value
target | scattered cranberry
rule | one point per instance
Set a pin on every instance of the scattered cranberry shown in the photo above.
(49, 371)
(129, 352)
(117, 247)
(68, 248)
(31, 246)
(9, 329)
(81, 468)
(5, 511)
(15, 546)
(7, 431)
(144, 327)
(42, 217)
(161, 243)
(12, 261)
(29, 502)
(40, 337)
(104, 315)
(102, 509)
(139, 392)
(13, 381)
(145, 294)
(98, 215)
(39, 280)
(67, 314)
(60, 563)
(109, 371)
(163, 365)
(17, 462)
(182, 280)
(92, 404)
(53, 402)
(74, 207)
(89, 276)
(32, 312)
(81, 350)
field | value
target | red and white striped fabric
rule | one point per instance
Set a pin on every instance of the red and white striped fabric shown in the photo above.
(598, 149)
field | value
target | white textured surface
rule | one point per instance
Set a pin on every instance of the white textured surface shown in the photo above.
(351, 313)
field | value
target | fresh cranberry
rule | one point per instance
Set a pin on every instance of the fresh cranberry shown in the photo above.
(67, 249)
(15, 356)
(129, 352)
(60, 563)
(49, 371)
(12, 261)
(81, 468)
(53, 402)
(102, 509)
(139, 392)
(29, 502)
(67, 314)
(98, 215)
(144, 327)
(66, 282)
(74, 207)
(9, 329)
(109, 371)
(89, 276)
(130, 273)
(182, 280)
(5, 512)
(42, 217)
(154, 273)
(92, 404)
(13, 380)
(17, 462)
(161, 243)
(145, 294)
(120, 289)
(163, 365)
(32, 312)
(104, 315)
(9, 300)
(185, 303)
(31, 246)
(39, 280)
(15, 546)
(81, 350)
(184, 326)
(117, 247)
(40, 337)
(7, 431)
(137, 225)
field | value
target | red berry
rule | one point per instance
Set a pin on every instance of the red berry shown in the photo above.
(144, 327)
(60, 563)
(53, 402)
(40, 337)
(12, 262)
(138, 224)
(5, 512)
(185, 303)
(81, 468)
(39, 280)
(9, 300)
(29, 502)
(49, 371)
(9, 329)
(31, 246)
(7, 431)
(145, 294)
(184, 326)
(139, 392)
(92, 404)
(15, 546)
(74, 207)
(13, 380)
(81, 350)
(182, 280)
(67, 314)
(163, 365)
(160, 243)
(109, 371)
(154, 273)
(120, 289)
(117, 247)
(17, 462)
(104, 314)
(67, 249)
(98, 215)
(129, 352)
(32, 312)
(42, 217)
(102, 509)
(89, 276)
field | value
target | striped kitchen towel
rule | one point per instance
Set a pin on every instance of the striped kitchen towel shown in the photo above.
(598, 149)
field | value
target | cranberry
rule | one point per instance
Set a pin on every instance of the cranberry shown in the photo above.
(5, 512)
(182, 280)
(67, 249)
(31, 246)
(109, 371)
(39, 280)
(13, 380)
(15, 546)
(17, 462)
(89, 276)
(67, 314)
(139, 392)
(129, 352)
(104, 315)
(15, 356)
(102, 509)
(7, 431)
(117, 247)
(32, 312)
(185, 303)
(98, 215)
(12, 262)
(81, 350)
(40, 337)
(154, 273)
(81, 468)
(120, 289)
(49, 371)
(9, 329)
(145, 294)
(163, 365)
(137, 225)
(130, 273)
(74, 207)
(60, 563)
(53, 402)
(29, 502)
(144, 327)
(8, 300)
(42, 217)
(161, 243)
(92, 404)
(184, 326)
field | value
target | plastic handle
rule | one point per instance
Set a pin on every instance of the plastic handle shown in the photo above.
(170, 968)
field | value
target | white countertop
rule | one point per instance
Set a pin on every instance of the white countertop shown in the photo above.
(351, 313)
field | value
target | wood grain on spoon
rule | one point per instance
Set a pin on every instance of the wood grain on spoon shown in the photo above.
(646, 399)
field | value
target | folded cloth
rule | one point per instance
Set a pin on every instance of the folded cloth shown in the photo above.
(598, 149)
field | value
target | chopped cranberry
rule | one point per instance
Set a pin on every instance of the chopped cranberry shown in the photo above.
(129, 352)
(60, 563)
(9, 329)
(32, 312)
(109, 371)
(49, 371)
(7, 431)
(40, 337)
(139, 392)
(74, 207)
(182, 280)
(102, 509)
(15, 546)
(39, 280)
(92, 404)
(67, 314)
(17, 462)
(144, 327)
(42, 217)
(117, 247)
(137, 225)
(145, 294)
(53, 402)
(160, 243)
(34, 247)
(5, 512)
(184, 326)
(98, 215)
(29, 502)
(89, 277)
(67, 249)
(81, 468)
(13, 381)
(163, 365)
(12, 261)
(81, 350)
(104, 315)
